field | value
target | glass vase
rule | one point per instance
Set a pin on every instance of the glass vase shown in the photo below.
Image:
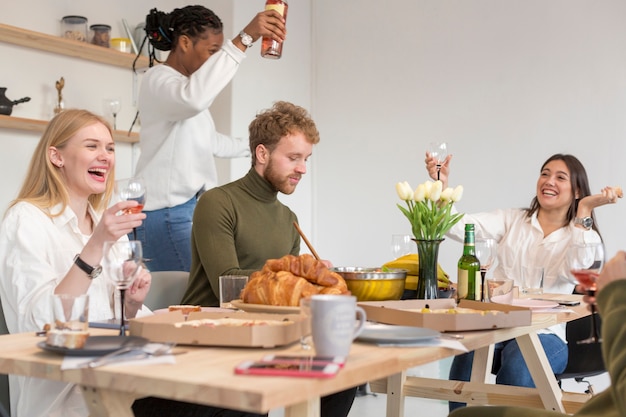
(428, 252)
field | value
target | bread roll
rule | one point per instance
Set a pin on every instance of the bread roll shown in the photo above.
(70, 339)
(185, 309)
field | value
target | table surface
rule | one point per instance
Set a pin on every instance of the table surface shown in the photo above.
(205, 374)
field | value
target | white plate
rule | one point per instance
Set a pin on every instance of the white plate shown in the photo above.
(534, 304)
(204, 309)
(383, 333)
(262, 308)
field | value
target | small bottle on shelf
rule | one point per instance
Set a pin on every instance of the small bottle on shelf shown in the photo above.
(469, 281)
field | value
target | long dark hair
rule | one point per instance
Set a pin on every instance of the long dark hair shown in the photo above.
(580, 187)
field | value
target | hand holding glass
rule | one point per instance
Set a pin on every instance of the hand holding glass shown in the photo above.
(122, 261)
(439, 151)
(132, 189)
(585, 262)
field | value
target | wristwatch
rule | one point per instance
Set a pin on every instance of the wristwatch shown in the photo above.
(586, 222)
(91, 271)
(246, 39)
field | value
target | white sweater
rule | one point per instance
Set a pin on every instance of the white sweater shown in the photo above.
(178, 136)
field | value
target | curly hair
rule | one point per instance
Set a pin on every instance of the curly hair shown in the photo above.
(164, 29)
(282, 119)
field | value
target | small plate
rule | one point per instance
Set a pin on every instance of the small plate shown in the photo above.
(534, 304)
(97, 345)
(382, 333)
(203, 309)
(261, 308)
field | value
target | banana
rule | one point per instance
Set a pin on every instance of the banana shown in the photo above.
(410, 262)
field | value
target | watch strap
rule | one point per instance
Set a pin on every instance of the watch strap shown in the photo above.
(91, 271)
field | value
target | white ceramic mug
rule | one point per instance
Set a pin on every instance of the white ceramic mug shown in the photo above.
(336, 321)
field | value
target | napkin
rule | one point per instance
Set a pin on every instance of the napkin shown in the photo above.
(75, 362)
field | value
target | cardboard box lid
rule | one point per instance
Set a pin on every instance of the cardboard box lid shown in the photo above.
(408, 313)
(162, 328)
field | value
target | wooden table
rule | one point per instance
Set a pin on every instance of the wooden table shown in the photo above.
(205, 375)
(478, 391)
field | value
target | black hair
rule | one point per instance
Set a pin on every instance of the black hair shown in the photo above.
(163, 29)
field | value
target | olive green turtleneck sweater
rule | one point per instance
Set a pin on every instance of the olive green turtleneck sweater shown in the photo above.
(236, 229)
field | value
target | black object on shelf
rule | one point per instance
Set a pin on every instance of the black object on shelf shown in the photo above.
(6, 105)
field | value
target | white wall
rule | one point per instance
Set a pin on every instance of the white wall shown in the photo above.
(505, 83)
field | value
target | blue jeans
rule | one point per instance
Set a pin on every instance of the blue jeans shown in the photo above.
(166, 237)
(509, 365)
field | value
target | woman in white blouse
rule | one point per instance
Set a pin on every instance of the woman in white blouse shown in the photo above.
(51, 237)
(560, 214)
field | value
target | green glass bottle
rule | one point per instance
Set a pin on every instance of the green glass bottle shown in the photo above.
(469, 282)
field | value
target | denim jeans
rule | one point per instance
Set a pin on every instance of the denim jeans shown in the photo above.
(166, 237)
(509, 365)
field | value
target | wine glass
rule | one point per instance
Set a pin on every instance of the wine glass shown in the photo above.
(486, 251)
(439, 151)
(132, 189)
(112, 106)
(122, 260)
(585, 262)
(401, 245)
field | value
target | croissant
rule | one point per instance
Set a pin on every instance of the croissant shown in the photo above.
(284, 281)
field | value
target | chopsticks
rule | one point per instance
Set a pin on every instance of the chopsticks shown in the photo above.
(306, 241)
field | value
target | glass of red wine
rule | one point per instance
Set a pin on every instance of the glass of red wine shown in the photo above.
(585, 263)
(132, 189)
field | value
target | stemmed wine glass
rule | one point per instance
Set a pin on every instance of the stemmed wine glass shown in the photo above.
(401, 245)
(112, 106)
(132, 189)
(122, 260)
(486, 251)
(439, 151)
(585, 262)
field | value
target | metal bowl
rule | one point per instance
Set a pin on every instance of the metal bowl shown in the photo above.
(373, 284)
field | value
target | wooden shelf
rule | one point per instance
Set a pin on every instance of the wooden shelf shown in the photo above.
(69, 47)
(33, 125)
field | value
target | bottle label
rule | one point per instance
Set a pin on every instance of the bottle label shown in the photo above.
(462, 284)
(280, 8)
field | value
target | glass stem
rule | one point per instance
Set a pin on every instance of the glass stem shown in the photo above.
(594, 325)
(483, 273)
(122, 326)
(438, 170)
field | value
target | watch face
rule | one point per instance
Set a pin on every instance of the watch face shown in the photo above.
(587, 222)
(96, 271)
(246, 39)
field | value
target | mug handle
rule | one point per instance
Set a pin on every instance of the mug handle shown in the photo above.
(361, 323)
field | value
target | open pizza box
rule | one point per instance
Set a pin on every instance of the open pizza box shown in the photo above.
(484, 315)
(249, 330)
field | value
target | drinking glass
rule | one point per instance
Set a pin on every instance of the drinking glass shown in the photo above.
(585, 262)
(486, 250)
(122, 260)
(438, 150)
(132, 189)
(401, 245)
(112, 107)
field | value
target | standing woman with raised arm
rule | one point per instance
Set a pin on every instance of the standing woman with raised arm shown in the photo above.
(178, 135)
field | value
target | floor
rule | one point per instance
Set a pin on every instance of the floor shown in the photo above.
(373, 405)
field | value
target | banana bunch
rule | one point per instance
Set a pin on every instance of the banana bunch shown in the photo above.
(410, 262)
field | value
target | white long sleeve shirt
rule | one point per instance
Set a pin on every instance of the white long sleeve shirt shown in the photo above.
(178, 136)
(36, 252)
(521, 241)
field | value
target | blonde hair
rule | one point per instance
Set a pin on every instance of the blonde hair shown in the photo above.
(44, 186)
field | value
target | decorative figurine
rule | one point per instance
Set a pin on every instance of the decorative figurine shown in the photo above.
(6, 105)
(60, 105)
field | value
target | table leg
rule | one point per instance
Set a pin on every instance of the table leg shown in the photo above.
(310, 408)
(108, 403)
(481, 365)
(395, 394)
(541, 371)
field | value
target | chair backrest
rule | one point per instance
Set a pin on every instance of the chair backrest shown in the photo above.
(584, 360)
(167, 288)
(5, 403)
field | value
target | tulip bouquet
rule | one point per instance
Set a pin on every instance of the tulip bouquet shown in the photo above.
(429, 208)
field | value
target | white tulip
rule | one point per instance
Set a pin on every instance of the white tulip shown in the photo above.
(435, 191)
(428, 186)
(458, 193)
(420, 193)
(404, 190)
(446, 195)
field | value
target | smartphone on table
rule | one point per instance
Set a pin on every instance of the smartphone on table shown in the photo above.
(339, 360)
(288, 368)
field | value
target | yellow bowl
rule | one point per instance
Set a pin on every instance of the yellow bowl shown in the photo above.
(374, 284)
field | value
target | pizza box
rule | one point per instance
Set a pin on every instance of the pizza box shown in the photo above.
(167, 327)
(408, 313)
